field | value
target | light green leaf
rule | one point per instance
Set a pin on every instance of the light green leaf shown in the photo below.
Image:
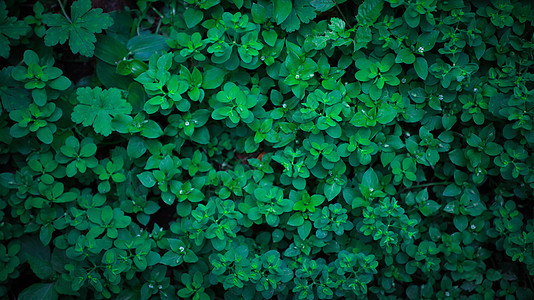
(97, 107)
(331, 191)
(147, 179)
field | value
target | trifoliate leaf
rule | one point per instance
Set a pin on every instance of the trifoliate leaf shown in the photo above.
(97, 108)
(80, 29)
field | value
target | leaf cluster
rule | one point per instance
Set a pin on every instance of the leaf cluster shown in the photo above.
(267, 149)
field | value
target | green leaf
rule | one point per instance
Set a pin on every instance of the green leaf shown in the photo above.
(405, 56)
(301, 13)
(386, 114)
(80, 30)
(151, 130)
(305, 229)
(296, 219)
(107, 214)
(37, 256)
(88, 149)
(192, 17)
(201, 136)
(213, 77)
(10, 28)
(109, 49)
(458, 158)
(282, 9)
(45, 135)
(136, 147)
(369, 11)
(363, 75)
(145, 45)
(323, 5)
(270, 37)
(429, 207)
(452, 190)
(147, 179)
(411, 16)
(460, 222)
(97, 107)
(109, 78)
(421, 67)
(370, 179)
(258, 13)
(39, 291)
(427, 40)
(62, 83)
(331, 191)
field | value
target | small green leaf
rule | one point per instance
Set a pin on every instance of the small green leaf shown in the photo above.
(282, 9)
(147, 179)
(452, 190)
(405, 56)
(421, 67)
(213, 77)
(460, 222)
(270, 37)
(107, 214)
(305, 229)
(331, 191)
(296, 219)
(136, 147)
(258, 13)
(192, 17)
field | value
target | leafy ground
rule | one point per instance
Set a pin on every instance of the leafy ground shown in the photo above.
(292, 149)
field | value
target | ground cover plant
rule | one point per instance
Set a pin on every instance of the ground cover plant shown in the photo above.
(224, 149)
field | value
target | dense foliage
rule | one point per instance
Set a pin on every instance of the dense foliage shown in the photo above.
(249, 148)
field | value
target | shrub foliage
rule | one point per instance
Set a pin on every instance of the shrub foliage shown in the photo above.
(253, 149)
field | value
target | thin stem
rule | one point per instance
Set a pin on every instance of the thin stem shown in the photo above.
(158, 13)
(459, 134)
(159, 25)
(63, 10)
(79, 132)
(138, 23)
(426, 184)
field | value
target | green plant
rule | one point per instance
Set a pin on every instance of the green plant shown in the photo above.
(209, 149)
